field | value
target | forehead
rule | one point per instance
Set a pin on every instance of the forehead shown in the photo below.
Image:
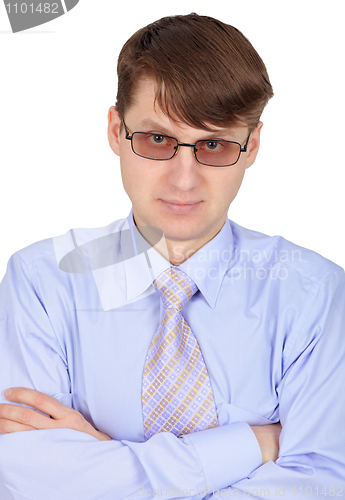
(146, 115)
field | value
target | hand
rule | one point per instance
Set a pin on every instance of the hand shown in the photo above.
(15, 418)
(268, 437)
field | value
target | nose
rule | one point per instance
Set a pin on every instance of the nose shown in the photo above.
(185, 145)
(184, 170)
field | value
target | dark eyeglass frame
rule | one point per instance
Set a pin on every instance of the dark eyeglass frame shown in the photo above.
(243, 149)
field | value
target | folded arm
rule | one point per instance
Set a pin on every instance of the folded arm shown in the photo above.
(15, 418)
(68, 460)
(311, 459)
(70, 463)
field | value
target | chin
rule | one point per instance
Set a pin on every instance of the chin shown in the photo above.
(180, 233)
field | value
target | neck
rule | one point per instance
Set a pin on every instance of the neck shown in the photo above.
(174, 251)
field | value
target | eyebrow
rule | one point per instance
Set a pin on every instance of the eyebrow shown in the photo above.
(152, 124)
(149, 123)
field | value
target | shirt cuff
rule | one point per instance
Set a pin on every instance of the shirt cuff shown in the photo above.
(228, 453)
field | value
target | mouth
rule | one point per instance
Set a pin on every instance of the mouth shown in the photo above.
(181, 208)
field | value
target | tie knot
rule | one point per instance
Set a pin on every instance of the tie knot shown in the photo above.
(175, 287)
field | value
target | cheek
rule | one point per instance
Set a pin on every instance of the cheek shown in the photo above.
(138, 179)
(230, 182)
(228, 185)
(127, 174)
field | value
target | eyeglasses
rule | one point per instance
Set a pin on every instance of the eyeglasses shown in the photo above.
(212, 152)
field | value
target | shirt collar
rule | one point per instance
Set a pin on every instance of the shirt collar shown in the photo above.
(206, 267)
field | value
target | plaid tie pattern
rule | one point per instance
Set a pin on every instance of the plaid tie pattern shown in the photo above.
(177, 395)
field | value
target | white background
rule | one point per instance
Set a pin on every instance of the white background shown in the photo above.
(59, 79)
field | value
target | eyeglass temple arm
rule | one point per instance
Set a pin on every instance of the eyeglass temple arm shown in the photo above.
(127, 133)
(244, 149)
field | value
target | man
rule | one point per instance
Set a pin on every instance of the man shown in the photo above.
(165, 352)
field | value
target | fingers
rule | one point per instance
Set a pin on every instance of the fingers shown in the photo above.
(102, 436)
(25, 417)
(42, 402)
(8, 426)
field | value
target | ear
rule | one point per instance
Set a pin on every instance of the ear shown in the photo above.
(114, 128)
(253, 145)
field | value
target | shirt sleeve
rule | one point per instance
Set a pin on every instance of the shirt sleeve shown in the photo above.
(67, 464)
(311, 459)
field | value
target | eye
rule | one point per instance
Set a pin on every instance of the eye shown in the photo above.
(158, 139)
(212, 146)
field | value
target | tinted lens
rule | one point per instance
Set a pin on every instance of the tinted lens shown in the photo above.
(154, 146)
(217, 153)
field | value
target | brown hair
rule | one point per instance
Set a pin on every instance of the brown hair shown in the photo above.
(207, 72)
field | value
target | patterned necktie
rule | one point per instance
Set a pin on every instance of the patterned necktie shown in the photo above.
(177, 395)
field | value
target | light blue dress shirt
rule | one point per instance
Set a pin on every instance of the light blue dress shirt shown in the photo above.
(77, 314)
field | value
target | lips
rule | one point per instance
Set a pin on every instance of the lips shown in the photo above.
(181, 202)
(181, 208)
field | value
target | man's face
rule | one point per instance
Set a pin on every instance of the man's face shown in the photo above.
(156, 188)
